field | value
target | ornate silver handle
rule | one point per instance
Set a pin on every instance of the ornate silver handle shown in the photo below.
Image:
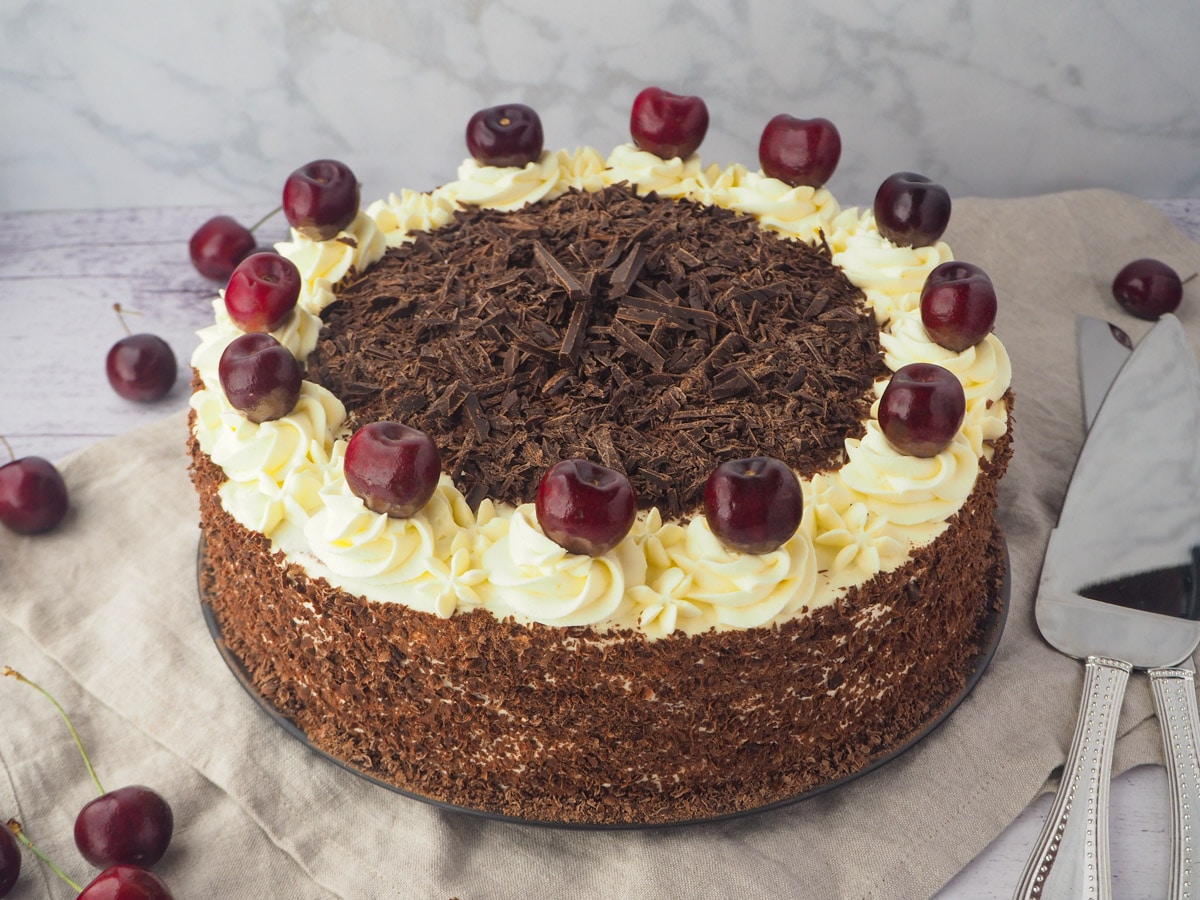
(1070, 860)
(1175, 706)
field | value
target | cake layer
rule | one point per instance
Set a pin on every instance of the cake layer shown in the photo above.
(567, 725)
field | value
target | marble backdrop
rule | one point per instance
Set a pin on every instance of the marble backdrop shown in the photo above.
(134, 102)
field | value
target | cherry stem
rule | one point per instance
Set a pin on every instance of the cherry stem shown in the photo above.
(15, 827)
(1191, 277)
(13, 673)
(122, 312)
(255, 226)
(8, 447)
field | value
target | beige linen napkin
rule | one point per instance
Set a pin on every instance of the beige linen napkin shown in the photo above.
(104, 612)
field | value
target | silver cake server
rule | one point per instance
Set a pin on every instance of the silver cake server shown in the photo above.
(1103, 350)
(1119, 587)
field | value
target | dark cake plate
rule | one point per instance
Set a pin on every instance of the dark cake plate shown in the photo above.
(993, 627)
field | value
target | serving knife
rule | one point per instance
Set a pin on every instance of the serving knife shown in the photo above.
(1103, 349)
(1119, 587)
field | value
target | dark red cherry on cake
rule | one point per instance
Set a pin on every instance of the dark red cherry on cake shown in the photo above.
(505, 135)
(10, 861)
(585, 508)
(393, 467)
(141, 367)
(799, 151)
(129, 826)
(1148, 288)
(753, 505)
(321, 198)
(126, 883)
(922, 409)
(217, 246)
(262, 292)
(668, 125)
(958, 305)
(260, 377)
(33, 495)
(911, 210)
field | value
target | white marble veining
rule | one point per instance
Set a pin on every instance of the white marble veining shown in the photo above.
(136, 103)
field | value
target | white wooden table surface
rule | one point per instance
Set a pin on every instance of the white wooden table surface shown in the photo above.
(61, 273)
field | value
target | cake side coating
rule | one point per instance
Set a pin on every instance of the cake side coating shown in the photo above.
(566, 725)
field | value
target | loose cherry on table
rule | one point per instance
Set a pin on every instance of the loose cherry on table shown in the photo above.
(321, 198)
(140, 367)
(10, 861)
(911, 210)
(585, 508)
(260, 377)
(393, 468)
(262, 292)
(1148, 288)
(958, 305)
(753, 505)
(130, 826)
(33, 495)
(219, 245)
(668, 125)
(505, 135)
(922, 409)
(799, 151)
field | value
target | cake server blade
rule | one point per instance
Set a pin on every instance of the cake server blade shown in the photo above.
(1103, 349)
(1129, 527)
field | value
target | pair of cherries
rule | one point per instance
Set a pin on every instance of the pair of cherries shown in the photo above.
(123, 832)
(752, 505)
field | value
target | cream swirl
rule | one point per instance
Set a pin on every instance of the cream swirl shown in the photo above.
(696, 574)
(858, 538)
(667, 177)
(264, 505)
(505, 187)
(540, 581)
(583, 170)
(889, 276)
(245, 450)
(798, 212)
(399, 217)
(909, 490)
(323, 264)
(985, 421)
(422, 554)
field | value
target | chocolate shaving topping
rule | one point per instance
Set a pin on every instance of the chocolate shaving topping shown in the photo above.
(655, 336)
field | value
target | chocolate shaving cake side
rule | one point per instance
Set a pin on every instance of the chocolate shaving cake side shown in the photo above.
(658, 337)
(564, 725)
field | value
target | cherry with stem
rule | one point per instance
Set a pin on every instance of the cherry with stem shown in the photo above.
(117, 881)
(127, 826)
(140, 367)
(221, 243)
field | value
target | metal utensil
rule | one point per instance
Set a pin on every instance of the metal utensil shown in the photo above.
(1123, 554)
(1103, 350)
